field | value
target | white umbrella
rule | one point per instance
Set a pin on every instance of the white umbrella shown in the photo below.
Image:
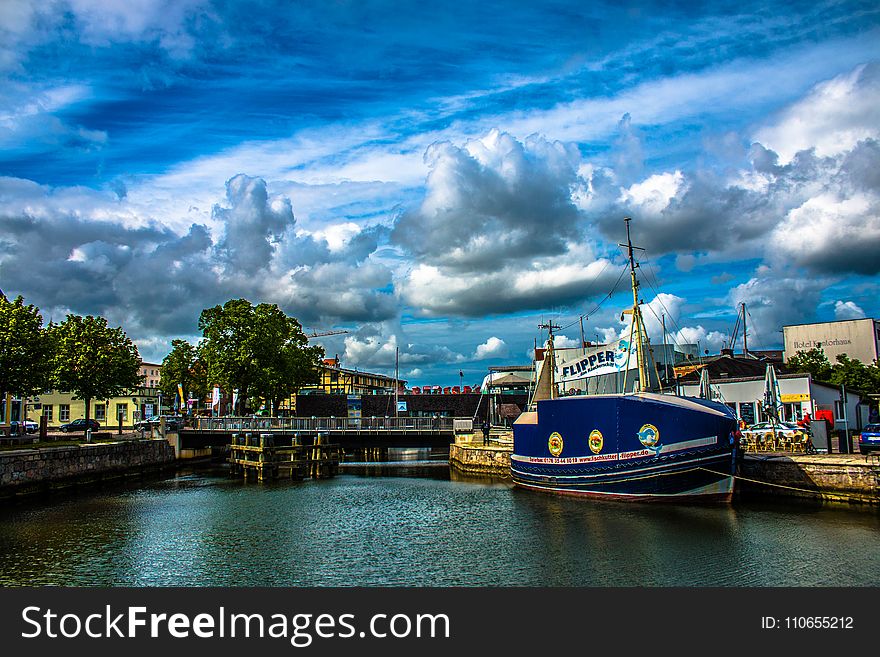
(705, 390)
(772, 398)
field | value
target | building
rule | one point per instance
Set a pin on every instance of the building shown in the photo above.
(857, 338)
(62, 407)
(339, 380)
(151, 373)
(740, 383)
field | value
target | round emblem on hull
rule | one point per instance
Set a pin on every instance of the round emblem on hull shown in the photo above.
(555, 444)
(595, 441)
(649, 435)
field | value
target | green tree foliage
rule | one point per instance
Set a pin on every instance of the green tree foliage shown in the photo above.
(25, 349)
(256, 349)
(848, 372)
(182, 366)
(855, 375)
(93, 360)
(814, 362)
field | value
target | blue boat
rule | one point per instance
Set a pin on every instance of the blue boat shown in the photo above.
(639, 445)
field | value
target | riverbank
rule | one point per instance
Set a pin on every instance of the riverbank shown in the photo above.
(851, 478)
(33, 470)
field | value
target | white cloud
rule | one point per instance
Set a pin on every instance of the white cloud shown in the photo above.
(831, 119)
(654, 194)
(491, 348)
(847, 310)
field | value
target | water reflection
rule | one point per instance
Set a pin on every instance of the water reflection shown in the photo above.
(413, 523)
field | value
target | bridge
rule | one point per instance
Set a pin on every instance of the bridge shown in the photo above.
(350, 433)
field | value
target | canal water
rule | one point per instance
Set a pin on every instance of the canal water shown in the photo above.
(413, 523)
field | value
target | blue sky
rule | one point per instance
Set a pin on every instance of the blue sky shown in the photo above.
(438, 178)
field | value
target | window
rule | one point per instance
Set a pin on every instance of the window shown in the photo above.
(100, 412)
(64, 412)
(122, 412)
(838, 409)
(47, 411)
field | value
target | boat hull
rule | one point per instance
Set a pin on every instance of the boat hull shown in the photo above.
(629, 447)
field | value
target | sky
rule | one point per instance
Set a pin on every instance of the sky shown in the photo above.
(439, 178)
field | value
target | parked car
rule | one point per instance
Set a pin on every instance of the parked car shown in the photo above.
(171, 423)
(80, 425)
(869, 440)
(29, 426)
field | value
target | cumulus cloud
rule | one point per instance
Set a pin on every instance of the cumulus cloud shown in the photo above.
(847, 310)
(494, 200)
(831, 119)
(252, 222)
(492, 348)
(538, 285)
(100, 254)
(373, 347)
(775, 299)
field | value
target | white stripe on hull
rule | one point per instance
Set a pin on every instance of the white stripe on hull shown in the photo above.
(721, 490)
(627, 471)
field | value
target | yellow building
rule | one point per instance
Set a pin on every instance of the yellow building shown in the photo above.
(341, 381)
(63, 407)
(142, 402)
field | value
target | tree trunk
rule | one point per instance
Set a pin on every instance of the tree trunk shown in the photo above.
(88, 401)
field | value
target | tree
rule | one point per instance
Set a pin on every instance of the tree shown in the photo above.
(256, 349)
(182, 366)
(25, 349)
(855, 375)
(284, 358)
(814, 362)
(93, 360)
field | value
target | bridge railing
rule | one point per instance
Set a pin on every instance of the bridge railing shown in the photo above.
(311, 424)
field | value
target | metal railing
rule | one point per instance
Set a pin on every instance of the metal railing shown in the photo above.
(334, 424)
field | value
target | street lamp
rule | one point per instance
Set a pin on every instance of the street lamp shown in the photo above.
(159, 395)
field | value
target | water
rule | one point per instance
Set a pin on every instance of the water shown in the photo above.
(410, 524)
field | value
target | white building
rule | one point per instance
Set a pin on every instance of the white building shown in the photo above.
(857, 338)
(799, 395)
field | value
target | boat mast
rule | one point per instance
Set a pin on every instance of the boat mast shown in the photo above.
(638, 325)
(550, 358)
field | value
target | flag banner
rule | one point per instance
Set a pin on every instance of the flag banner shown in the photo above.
(607, 359)
(215, 396)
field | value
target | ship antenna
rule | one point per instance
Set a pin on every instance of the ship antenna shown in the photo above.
(550, 357)
(638, 325)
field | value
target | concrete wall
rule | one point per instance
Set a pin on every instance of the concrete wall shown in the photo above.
(480, 460)
(33, 470)
(841, 477)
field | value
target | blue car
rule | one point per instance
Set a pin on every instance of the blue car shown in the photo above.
(869, 441)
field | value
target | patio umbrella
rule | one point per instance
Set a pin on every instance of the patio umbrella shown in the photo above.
(705, 390)
(772, 398)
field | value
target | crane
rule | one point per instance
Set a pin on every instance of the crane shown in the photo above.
(320, 334)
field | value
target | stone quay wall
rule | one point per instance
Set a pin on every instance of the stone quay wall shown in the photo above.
(26, 471)
(845, 478)
(480, 460)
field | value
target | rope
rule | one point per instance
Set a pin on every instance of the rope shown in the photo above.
(834, 496)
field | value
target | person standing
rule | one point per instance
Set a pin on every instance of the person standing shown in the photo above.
(486, 428)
